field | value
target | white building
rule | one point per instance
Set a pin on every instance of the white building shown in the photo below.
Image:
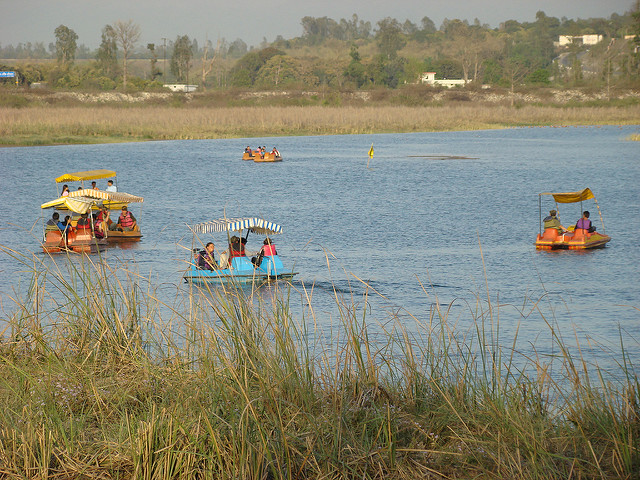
(430, 78)
(180, 87)
(590, 39)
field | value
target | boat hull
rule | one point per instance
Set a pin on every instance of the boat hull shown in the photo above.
(570, 240)
(268, 157)
(242, 271)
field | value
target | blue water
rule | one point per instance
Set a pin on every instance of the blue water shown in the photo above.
(424, 230)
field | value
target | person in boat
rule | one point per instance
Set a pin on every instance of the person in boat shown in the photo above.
(268, 249)
(83, 222)
(275, 152)
(248, 151)
(206, 258)
(126, 221)
(585, 223)
(111, 187)
(264, 150)
(54, 223)
(65, 191)
(67, 226)
(236, 247)
(94, 186)
(552, 221)
(101, 222)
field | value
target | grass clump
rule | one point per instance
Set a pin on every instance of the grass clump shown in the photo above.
(98, 378)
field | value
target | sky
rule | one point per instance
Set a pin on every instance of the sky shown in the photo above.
(23, 21)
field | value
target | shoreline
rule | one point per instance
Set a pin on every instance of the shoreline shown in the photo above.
(37, 126)
(68, 118)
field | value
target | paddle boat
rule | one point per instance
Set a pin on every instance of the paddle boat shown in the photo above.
(113, 200)
(571, 238)
(267, 157)
(234, 266)
(79, 234)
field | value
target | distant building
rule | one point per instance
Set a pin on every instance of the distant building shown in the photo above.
(180, 87)
(430, 78)
(590, 39)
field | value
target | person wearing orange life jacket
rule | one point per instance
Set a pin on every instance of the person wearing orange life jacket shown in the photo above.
(126, 222)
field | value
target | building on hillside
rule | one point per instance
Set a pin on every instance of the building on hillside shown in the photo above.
(430, 79)
(180, 87)
(590, 39)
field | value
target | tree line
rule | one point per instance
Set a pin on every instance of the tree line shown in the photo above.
(349, 53)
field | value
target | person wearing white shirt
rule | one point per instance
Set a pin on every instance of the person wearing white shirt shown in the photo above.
(110, 186)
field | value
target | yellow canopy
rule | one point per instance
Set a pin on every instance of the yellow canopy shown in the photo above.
(75, 204)
(571, 197)
(88, 175)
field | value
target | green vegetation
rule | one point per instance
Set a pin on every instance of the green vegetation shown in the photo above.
(349, 53)
(99, 379)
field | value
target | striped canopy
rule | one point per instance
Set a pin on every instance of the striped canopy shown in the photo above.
(120, 197)
(255, 224)
(88, 175)
(75, 204)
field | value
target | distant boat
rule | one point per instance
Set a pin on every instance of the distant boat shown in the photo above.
(573, 238)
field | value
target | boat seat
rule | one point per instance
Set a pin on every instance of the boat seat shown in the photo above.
(550, 234)
(53, 237)
(580, 234)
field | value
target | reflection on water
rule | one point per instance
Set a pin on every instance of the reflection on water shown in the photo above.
(439, 225)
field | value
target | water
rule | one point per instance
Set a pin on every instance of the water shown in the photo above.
(463, 227)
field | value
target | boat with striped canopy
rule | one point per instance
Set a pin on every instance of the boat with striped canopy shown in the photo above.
(234, 266)
(570, 238)
(95, 199)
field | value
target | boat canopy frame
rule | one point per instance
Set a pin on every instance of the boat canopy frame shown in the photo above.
(570, 197)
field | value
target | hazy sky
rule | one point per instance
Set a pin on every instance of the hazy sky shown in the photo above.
(33, 21)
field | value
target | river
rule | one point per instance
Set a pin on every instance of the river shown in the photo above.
(433, 221)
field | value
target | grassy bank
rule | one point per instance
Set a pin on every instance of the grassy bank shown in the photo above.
(96, 383)
(50, 125)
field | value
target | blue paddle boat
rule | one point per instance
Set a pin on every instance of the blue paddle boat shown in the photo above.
(233, 265)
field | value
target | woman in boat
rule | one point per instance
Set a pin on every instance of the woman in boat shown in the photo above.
(206, 259)
(275, 152)
(65, 191)
(268, 249)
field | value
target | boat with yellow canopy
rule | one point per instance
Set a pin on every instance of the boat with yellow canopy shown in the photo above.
(571, 238)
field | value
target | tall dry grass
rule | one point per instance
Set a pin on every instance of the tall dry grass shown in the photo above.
(57, 124)
(98, 379)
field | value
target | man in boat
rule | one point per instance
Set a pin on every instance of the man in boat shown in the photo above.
(110, 186)
(552, 222)
(585, 223)
(94, 186)
(206, 259)
(83, 222)
(126, 222)
(54, 223)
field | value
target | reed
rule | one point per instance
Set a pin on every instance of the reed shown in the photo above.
(99, 378)
(38, 125)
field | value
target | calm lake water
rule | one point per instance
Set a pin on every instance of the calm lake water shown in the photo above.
(420, 226)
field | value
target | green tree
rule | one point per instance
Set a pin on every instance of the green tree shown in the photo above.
(389, 37)
(65, 45)
(107, 56)
(181, 58)
(355, 71)
(127, 35)
(155, 71)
